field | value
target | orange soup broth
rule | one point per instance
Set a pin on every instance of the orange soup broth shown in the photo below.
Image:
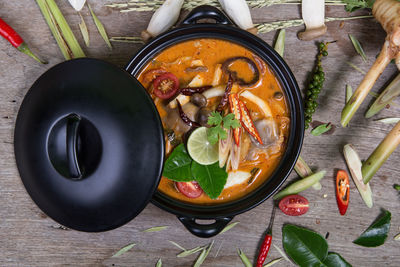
(213, 52)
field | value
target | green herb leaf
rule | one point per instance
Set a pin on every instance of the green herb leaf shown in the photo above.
(177, 245)
(215, 118)
(159, 263)
(244, 258)
(177, 166)
(84, 30)
(377, 233)
(397, 187)
(203, 255)
(211, 178)
(358, 47)
(353, 5)
(305, 247)
(229, 121)
(155, 229)
(100, 28)
(335, 260)
(216, 133)
(349, 93)
(323, 128)
(123, 250)
(273, 262)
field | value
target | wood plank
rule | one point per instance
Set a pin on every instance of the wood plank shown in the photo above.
(29, 238)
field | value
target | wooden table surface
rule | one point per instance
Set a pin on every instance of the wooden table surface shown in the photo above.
(29, 238)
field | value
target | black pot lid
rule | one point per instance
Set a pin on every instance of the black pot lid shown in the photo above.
(89, 145)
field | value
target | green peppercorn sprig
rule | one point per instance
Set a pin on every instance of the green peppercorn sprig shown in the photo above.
(316, 83)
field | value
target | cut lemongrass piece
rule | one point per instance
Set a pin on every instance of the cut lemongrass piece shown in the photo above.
(100, 28)
(381, 153)
(349, 92)
(244, 258)
(389, 120)
(280, 42)
(303, 170)
(354, 163)
(159, 263)
(391, 92)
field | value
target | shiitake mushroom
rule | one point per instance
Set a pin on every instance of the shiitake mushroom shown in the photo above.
(199, 100)
(236, 78)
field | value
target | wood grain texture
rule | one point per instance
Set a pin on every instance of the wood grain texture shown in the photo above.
(29, 238)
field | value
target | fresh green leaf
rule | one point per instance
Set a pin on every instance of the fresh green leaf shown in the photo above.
(100, 28)
(215, 118)
(229, 227)
(188, 252)
(159, 263)
(349, 92)
(305, 247)
(177, 245)
(397, 237)
(397, 187)
(229, 121)
(321, 129)
(353, 5)
(84, 30)
(155, 229)
(216, 133)
(377, 233)
(244, 258)
(358, 47)
(177, 166)
(123, 250)
(335, 260)
(211, 178)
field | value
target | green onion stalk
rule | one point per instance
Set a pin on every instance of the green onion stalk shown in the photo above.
(381, 153)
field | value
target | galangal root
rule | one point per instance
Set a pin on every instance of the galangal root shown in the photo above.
(387, 12)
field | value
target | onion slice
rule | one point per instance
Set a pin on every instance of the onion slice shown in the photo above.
(264, 107)
(224, 148)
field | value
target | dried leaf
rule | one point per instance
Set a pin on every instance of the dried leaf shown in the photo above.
(273, 262)
(229, 227)
(358, 47)
(356, 68)
(203, 255)
(176, 245)
(100, 28)
(189, 252)
(281, 252)
(349, 93)
(155, 229)
(123, 250)
(84, 31)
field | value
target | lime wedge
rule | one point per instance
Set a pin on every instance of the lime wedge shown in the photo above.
(200, 149)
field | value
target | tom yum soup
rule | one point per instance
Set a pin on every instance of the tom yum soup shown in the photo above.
(225, 117)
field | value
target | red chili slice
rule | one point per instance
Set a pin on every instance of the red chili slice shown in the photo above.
(235, 109)
(342, 191)
(294, 205)
(247, 122)
(166, 85)
(189, 189)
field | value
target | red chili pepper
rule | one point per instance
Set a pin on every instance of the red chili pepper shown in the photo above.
(13, 37)
(247, 122)
(342, 191)
(235, 109)
(184, 117)
(266, 244)
(188, 91)
(224, 99)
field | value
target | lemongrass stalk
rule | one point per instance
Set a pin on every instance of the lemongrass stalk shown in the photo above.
(366, 85)
(303, 170)
(381, 153)
(280, 42)
(44, 8)
(66, 31)
(388, 95)
(284, 24)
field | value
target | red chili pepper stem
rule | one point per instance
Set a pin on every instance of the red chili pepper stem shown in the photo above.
(266, 244)
(25, 49)
(15, 39)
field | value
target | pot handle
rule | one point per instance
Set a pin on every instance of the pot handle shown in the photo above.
(206, 12)
(204, 230)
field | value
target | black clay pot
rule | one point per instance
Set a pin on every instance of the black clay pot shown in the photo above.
(224, 29)
(89, 143)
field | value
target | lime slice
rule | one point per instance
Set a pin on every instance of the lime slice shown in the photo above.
(200, 149)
